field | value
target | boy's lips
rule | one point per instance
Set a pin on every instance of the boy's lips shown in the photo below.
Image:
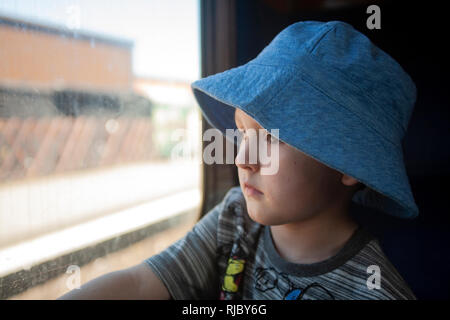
(251, 190)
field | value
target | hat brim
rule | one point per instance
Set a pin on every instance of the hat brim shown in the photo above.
(310, 121)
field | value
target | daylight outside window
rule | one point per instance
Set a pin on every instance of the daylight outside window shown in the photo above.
(100, 138)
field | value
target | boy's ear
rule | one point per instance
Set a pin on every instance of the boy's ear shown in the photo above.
(348, 180)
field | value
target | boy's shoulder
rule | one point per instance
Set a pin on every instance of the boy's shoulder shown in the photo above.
(233, 211)
(367, 272)
(234, 196)
(381, 278)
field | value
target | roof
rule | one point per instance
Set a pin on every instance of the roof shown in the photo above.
(63, 31)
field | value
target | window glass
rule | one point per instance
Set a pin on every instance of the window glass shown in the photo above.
(100, 137)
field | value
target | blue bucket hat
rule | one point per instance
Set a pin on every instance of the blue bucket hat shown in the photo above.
(334, 96)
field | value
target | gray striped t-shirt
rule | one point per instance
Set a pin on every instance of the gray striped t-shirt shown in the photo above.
(227, 255)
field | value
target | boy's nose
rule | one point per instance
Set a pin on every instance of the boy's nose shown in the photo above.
(247, 155)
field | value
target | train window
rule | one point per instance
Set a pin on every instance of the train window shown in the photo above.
(100, 138)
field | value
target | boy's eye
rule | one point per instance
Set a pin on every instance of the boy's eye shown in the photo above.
(269, 138)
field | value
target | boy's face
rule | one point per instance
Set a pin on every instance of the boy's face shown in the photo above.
(302, 187)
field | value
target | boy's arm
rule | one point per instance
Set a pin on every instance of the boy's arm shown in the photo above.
(137, 282)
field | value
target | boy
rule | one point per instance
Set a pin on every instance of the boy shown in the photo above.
(342, 107)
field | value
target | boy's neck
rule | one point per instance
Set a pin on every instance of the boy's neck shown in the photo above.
(315, 239)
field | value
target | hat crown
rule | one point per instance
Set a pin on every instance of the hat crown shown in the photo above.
(340, 52)
(335, 96)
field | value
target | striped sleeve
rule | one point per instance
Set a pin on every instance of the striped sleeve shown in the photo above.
(188, 267)
(356, 273)
(393, 286)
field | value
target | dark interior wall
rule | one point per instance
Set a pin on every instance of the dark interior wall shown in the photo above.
(218, 44)
(411, 33)
(415, 35)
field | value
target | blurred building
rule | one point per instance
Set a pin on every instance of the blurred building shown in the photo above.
(47, 70)
(48, 57)
(67, 101)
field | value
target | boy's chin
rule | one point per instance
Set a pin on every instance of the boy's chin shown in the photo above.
(265, 218)
(261, 217)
